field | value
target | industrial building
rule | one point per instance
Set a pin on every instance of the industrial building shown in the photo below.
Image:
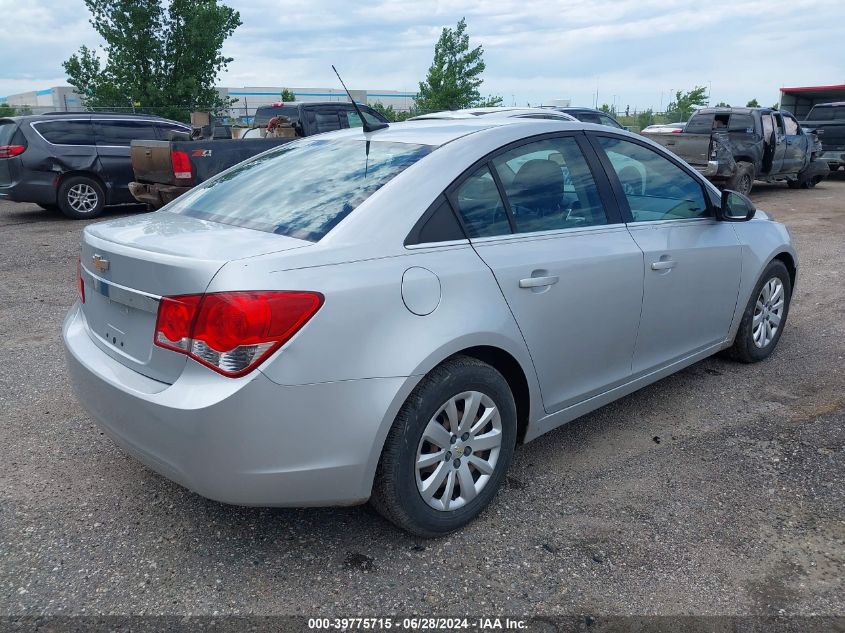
(63, 98)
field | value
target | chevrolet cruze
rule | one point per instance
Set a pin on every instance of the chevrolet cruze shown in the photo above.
(384, 315)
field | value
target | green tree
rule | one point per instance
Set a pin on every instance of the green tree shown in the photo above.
(753, 104)
(163, 55)
(645, 118)
(455, 74)
(288, 96)
(722, 104)
(685, 102)
(7, 110)
(391, 114)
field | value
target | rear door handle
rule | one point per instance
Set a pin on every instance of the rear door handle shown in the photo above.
(663, 264)
(537, 282)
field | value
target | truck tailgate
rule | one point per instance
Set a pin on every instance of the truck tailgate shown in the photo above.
(209, 157)
(151, 162)
(693, 148)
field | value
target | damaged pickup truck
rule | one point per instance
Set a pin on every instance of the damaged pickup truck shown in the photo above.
(165, 170)
(74, 161)
(733, 147)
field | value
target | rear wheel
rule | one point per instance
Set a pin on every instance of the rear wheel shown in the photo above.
(81, 197)
(765, 315)
(448, 450)
(743, 180)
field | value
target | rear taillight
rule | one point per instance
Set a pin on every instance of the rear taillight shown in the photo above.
(233, 332)
(8, 151)
(181, 165)
(80, 282)
(676, 131)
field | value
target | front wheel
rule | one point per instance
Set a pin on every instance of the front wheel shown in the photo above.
(765, 315)
(448, 449)
(81, 198)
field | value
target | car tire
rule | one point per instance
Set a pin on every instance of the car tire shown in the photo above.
(752, 344)
(81, 197)
(743, 180)
(400, 493)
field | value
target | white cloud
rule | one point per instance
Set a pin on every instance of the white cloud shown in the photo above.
(534, 49)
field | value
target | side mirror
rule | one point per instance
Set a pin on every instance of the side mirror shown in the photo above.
(735, 207)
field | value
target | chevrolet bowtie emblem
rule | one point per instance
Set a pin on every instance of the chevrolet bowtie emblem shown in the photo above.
(100, 263)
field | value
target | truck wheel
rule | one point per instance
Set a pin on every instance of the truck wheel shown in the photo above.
(743, 179)
(794, 184)
(81, 197)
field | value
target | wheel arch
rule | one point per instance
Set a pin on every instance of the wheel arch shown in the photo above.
(788, 261)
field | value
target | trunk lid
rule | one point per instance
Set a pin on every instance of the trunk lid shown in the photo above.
(128, 264)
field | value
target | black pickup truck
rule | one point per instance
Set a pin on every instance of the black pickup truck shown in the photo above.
(164, 170)
(827, 120)
(733, 147)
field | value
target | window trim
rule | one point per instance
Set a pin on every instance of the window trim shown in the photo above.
(412, 239)
(611, 207)
(619, 193)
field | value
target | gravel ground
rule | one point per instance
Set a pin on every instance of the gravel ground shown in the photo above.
(718, 490)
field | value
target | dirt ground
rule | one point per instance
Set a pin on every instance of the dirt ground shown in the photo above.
(718, 490)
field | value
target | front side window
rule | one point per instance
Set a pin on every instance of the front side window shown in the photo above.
(791, 125)
(656, 188)
(741, 123)
(549, 186)
(66, 132)
(700, 124)
(302, 189)
(123, 132)
(353, 120)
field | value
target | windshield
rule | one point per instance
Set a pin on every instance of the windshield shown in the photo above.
(302, 189)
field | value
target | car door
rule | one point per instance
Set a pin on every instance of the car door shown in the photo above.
(796, 154)
(113, 137)
(565, 263)
(691, 263)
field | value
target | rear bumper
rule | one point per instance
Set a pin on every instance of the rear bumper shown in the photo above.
(709, 170)
(834, 159)
(40, 190)
(246, 441)
(155, 194)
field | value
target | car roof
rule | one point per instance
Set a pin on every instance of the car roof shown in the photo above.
(58, 116)
(504, 111)
(436, 132)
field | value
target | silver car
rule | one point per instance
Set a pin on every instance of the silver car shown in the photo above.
(385, 315)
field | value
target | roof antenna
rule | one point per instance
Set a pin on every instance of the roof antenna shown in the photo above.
(368, 127)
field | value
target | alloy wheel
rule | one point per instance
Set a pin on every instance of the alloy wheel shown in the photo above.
(768, 312)
(82, 198)
(458, 451)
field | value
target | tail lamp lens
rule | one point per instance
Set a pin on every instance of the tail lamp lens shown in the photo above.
(181, 165)
(9, 151)
(233, 332)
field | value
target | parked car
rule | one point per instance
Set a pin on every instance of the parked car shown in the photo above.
(163, 171)
(733, 147)
(386, 315)
(588, 115)
(662, 128)
(827, 120)
(521, 113)
(76, 161)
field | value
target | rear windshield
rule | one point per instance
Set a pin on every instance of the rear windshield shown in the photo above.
(302, 189)
(263, 115)
(7, 131)
(826, 113)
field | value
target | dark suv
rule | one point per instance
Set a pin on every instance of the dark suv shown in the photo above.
(78, 162)
(589, 115)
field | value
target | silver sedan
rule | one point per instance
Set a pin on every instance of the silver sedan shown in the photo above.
(385, 315)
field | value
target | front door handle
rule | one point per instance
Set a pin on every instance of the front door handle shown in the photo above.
(665, 264)
(537, 282)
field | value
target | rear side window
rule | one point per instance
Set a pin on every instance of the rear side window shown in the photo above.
(741, 123)
(123, 132)
(481, 206)
(353, 120)
(606, 120)
(173, 132)
(791, 125)
(700, 124)
(302, 189)
(66, 132)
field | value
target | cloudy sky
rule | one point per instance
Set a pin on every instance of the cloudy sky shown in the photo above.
(632, 51)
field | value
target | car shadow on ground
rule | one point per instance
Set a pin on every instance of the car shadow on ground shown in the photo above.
(25, 213)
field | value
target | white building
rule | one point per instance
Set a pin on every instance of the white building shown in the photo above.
(63, 98)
